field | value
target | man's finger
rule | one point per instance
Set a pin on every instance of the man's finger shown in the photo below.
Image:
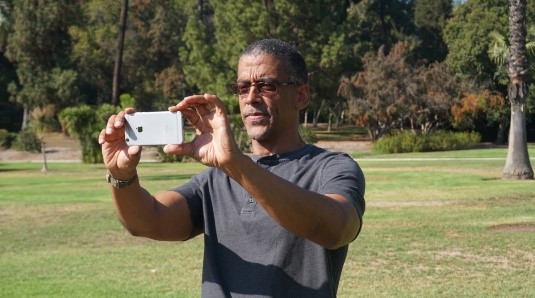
(134, 150)
(182, 149)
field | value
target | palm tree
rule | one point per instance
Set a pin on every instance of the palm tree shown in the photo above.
(517, 165)
(499, 47)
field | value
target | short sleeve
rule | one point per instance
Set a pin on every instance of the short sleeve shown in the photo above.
(342, 175)
(192, 192)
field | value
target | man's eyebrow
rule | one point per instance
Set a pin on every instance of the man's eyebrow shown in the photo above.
(262, 79)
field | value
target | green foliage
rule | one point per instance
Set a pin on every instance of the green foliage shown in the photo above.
(169, 158)
(430, 18)
(63, 52)
(308, 135)
(6, 138)
(27, 140)
(375, 24)
(197, 56)
(467, 36)
(39, 47)
(402, 142)
(85, 123)
(499, 53)
(127, 101)
(153, 37)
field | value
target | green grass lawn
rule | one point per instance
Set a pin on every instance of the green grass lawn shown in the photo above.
(432, 228)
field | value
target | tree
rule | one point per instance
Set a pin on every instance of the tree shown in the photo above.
(438, 88)
(151, 44)
(38, 46)
(119, 54)
(318, 29)
(499, 53)
(467, 37)
(430, 18)
(470, 35)
(93, 45)
(85, 123)
(391, 93)
(6, 8)
(517, 165)
(10, 113)
(378, 92)
(479, 111)
(42, 122)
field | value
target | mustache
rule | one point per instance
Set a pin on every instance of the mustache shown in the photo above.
(249, 112)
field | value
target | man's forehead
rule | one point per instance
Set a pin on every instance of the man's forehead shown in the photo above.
(259, 66)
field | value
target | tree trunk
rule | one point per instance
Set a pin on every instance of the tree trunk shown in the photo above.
(25, 118)
(119, 55)
(517, 165)
(44, 168)
(329, 122)
(200, 10)
(501, 132)
(317, 115)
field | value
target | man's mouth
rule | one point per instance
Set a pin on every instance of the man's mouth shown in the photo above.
(256, 116)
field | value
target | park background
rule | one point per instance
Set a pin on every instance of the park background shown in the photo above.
(387, 72)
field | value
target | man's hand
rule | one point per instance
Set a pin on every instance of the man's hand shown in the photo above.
(120, 159)
(213, 144)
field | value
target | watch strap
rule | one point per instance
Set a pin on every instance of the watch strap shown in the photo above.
(120, 183)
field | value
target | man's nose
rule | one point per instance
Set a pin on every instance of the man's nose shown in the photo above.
(253, 95)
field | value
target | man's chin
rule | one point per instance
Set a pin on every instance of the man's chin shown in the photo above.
(258, 133)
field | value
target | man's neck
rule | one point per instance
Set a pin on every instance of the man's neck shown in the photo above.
(263, 148)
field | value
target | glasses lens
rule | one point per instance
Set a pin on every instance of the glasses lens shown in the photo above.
(262, 87)
(266, 87)
(243, 88)
(240, 88)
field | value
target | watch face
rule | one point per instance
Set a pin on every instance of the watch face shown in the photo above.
(120, 183)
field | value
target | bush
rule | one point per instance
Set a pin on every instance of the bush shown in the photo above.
(402, 142)
(85, 123)
(127, 101)
(308, 135)
(28, 141)
(6, 138)
(169, 157)
(164, 157)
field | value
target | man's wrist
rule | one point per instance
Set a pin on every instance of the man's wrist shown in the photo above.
(121, 183)
(125, 174)
(237, 168)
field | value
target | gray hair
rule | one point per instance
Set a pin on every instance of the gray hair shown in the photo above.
(292, 62)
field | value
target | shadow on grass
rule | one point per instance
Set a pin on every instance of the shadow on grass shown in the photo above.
(492, 179)
(10, 170)
(6, 167)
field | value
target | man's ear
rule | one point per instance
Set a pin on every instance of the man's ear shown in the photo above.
(303, 97)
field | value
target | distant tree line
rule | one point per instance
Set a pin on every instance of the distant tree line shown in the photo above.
(417, 65)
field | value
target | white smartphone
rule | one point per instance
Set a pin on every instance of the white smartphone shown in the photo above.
(154, 128)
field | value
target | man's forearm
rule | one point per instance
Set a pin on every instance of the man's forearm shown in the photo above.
(331, 221)
(134, 207)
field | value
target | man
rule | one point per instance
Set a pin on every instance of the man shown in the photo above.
(276, 224)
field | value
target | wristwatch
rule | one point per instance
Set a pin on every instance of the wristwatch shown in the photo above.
(120, 183)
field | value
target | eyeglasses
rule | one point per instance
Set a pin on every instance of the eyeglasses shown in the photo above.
(265, 88)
